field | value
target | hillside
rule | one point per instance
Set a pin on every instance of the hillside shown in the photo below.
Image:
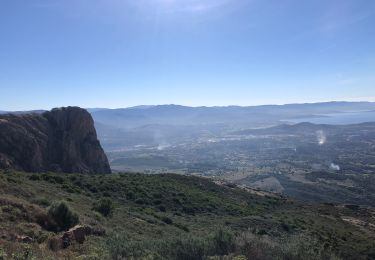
(173, 217)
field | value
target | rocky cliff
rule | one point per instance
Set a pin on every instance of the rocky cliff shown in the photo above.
(63, 140)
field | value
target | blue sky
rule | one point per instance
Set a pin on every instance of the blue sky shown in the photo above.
(120, 53)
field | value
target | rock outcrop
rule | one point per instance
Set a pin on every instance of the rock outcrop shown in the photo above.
(76, 234)
(62, 140)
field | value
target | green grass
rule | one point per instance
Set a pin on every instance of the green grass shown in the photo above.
(156, 216)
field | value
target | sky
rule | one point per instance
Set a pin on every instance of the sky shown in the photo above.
(121, 53)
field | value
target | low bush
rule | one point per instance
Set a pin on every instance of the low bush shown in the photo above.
(62, 215)
(34, 177)
(3, 255)
(41, 202)
(104, 206)
(222, 244)
(167, 220)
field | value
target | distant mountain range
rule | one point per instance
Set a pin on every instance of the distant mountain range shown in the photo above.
(152, 125)
(185, 115)
(23, 112)
(240, 116)
(303, 128)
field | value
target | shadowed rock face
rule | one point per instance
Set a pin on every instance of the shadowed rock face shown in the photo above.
(63, 139)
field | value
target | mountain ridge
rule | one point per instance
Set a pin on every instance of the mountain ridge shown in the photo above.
(237, 115)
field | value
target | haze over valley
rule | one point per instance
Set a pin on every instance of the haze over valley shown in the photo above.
(279, 149)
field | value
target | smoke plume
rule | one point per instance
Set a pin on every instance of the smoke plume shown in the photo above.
(321, 136)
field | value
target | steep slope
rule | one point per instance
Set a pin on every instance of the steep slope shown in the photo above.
(63, 139)
(173, 217)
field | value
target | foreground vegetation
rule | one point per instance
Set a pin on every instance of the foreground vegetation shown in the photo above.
(171, 217)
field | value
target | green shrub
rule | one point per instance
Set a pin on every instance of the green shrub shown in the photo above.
(187, 249)
(190, 248)
(290, 247)
(52, 178)
(104, 206)
(257, 247)
(34, 177)
(41, 202)
(63, 216)
(182, 227)
(68, 188)
(223, 242)
(25, 253)
(309, 248)
(184, 248)
(122, 248)
(139, 201)
(167, 220)
(3, 255)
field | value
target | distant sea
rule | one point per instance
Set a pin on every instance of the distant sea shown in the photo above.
(339, 118)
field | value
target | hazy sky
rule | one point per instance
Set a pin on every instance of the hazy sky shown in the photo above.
(119, 53)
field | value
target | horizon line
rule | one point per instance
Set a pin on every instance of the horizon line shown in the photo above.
(200, 106)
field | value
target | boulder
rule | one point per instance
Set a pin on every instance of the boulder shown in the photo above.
(77, 234)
